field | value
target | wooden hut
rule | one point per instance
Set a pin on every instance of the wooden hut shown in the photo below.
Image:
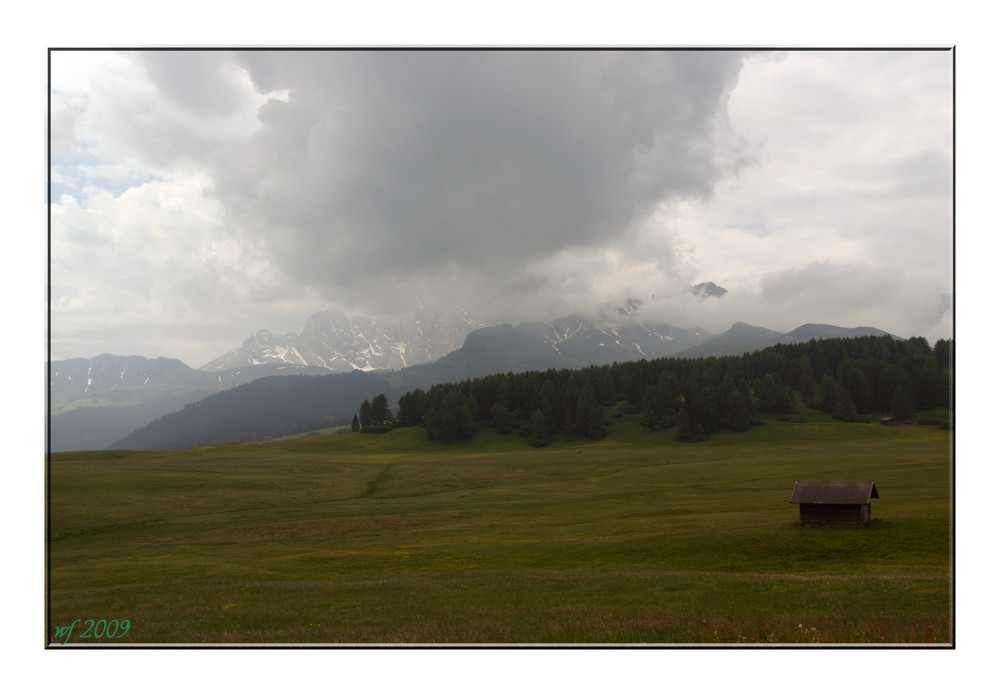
(834, 503)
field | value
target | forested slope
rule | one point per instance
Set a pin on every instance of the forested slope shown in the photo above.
(845, 377)
(269, 407)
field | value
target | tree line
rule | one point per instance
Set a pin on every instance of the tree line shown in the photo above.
(844, 377)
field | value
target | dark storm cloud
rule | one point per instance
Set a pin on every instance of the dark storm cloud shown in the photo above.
(386, 165)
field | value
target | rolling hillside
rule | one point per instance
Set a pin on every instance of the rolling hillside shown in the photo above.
(266, 408)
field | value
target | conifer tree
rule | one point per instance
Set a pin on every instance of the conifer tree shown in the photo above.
(380, 412)
(465, 424)
(806, 383)
(365, 414)
(735, 407)
(902, 404)
(538, 432)
(943, 352)
(827, 394)
(845, 409)
(594, 422)
(447, 430)
(686, 430)
(501, 418)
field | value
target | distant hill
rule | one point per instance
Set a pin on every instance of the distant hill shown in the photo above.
(820, 331)
(742, 338)
(94, 402)
(115, 380)
(567, 343)
(268, 407)
(230, 378)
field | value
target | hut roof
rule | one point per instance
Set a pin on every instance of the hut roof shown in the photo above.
(833, 493)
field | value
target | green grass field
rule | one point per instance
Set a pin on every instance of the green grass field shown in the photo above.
(357, 539)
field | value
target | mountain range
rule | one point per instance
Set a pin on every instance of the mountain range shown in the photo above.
(571, 342)
(334, 341)
(94, 402)
(97, 403)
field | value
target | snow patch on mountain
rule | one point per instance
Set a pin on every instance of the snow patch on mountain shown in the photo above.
(338, 342)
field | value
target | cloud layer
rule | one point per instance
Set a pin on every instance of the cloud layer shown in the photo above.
(206, 194)
(389, 166)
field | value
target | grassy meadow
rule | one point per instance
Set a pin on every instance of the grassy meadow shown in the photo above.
(388, 539)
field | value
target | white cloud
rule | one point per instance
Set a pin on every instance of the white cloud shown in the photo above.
(156, 254)
(852, 191)
(122, 119)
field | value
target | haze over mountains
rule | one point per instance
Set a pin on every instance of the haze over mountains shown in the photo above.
(97, 403)
(94, 402)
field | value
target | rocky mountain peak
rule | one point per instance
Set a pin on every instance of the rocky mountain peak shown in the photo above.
(335, 341)
(707, 290)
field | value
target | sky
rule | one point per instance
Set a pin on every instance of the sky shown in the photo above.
(201, 195)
